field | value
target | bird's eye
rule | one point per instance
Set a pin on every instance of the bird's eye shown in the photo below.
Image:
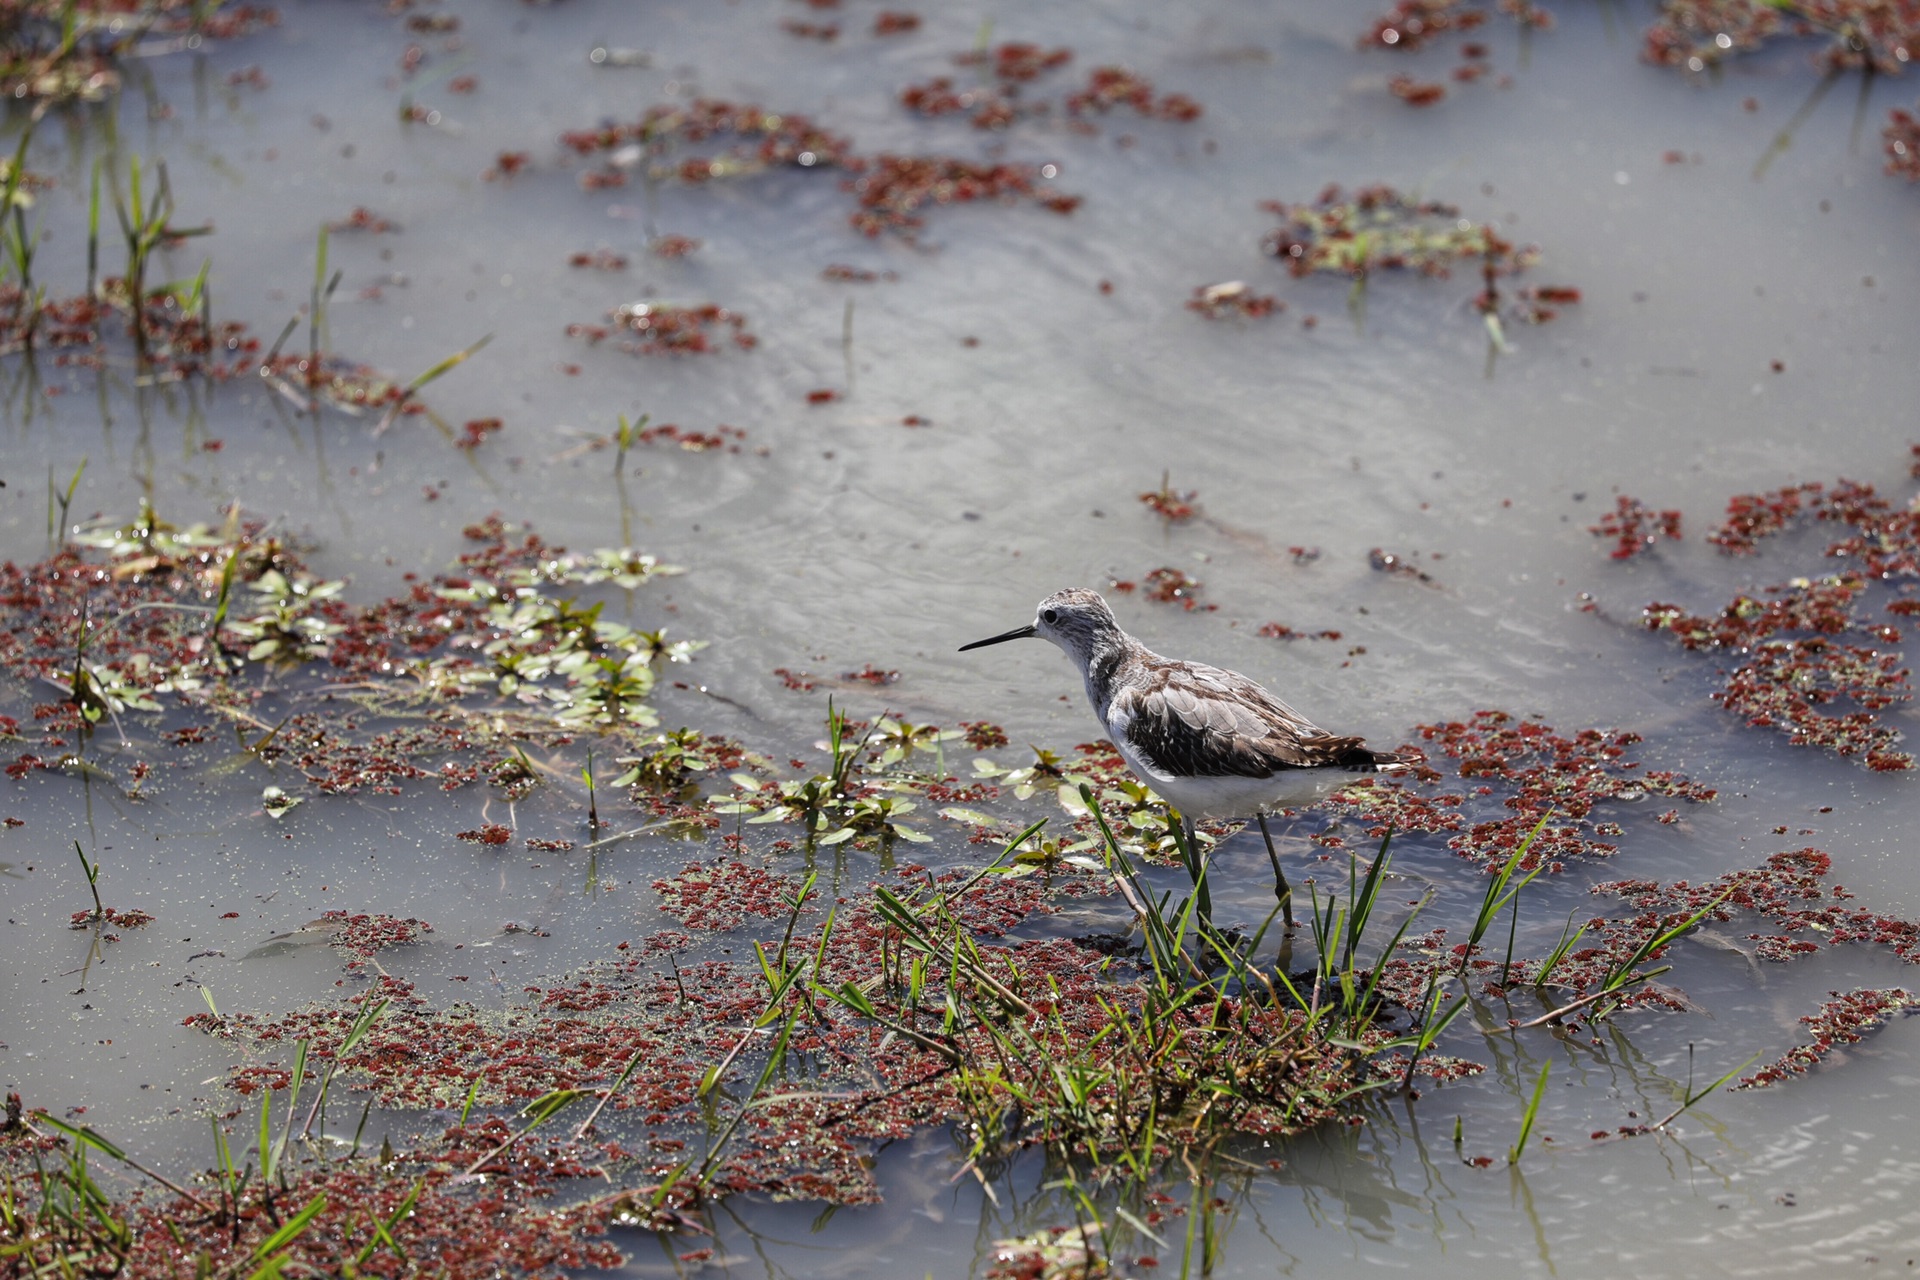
(1049, 615)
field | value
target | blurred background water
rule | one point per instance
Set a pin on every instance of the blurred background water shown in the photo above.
(1060, 374)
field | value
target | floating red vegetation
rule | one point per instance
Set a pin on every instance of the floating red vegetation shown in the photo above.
(476, 431)
(363, 219)
(72, 52)
(1843, 1020)
(133, 919)
(1378, 228)
(822, 395)
(940, 96)
(168, 332)
(872, 675)
(798, 681)
(892, 191)
(1233, 298)
(1280, 631)
(1318, 237)
(509, 165)
(1383, 561)
(1014, 66)
(822, 31)
(599, 260)
(1540, 771)
(1877, 36)
(1788, 891)
(1792, 681)
(1539, 303)
(1635, 527)
(1416, 93)
(1110, 87)
(1752, 516)
(893, 22)
(665, 329)
(721, 437)
(1017, 61)
(673, 246)
(1167, 585)
(840, 273)
(548, 846)
(983, 735)
(492, 833)
(759, 139)
(1901, 139)
(723, 895)
(1412, 24)
(365, 935)
(1174, 508)
(389, 1213)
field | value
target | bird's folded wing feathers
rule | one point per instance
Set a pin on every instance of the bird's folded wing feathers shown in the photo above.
(1205, 722)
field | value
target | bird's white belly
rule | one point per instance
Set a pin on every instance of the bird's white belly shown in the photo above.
(1233, 797)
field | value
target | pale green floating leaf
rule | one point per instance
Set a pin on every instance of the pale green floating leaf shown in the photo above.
(277, 802)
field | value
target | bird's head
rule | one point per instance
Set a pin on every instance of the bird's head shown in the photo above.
(1076, 619)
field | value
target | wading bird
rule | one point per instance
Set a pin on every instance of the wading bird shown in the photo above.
(1213, 743)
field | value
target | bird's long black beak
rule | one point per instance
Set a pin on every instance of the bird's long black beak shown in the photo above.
(1018, 633)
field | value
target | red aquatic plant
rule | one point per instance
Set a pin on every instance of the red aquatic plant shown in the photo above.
(1413, 24)
(1635, 527)
(1901, 139)
(1844, 1019)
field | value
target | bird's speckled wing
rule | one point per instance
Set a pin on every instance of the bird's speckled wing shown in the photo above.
(1199, 721)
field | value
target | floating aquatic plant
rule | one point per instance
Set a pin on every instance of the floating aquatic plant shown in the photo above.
(1901, 139)
(665, 139)
(1882, 36)
(1845, 1019)
(1635, 527)
(1380, 228)
(1233, 298)
(662, 328)
(1809, 663)
(893, 191)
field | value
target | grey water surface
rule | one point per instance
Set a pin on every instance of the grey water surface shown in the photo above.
(839, 537)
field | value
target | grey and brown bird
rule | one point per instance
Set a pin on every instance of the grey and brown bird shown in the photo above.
(1213, 743)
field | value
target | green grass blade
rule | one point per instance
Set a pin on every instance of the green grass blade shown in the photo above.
(472, 1091)
(1533, 1110)
(290, 1229)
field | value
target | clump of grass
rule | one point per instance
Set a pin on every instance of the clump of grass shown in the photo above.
(623, 440)
(92, 870)
(1498, 896)
(1626, 972)
(60, 501)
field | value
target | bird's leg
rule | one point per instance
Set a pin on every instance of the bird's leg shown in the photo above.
(1196, 871)
(1281, 889)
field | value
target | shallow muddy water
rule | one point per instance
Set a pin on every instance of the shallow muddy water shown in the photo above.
(1734, 334)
